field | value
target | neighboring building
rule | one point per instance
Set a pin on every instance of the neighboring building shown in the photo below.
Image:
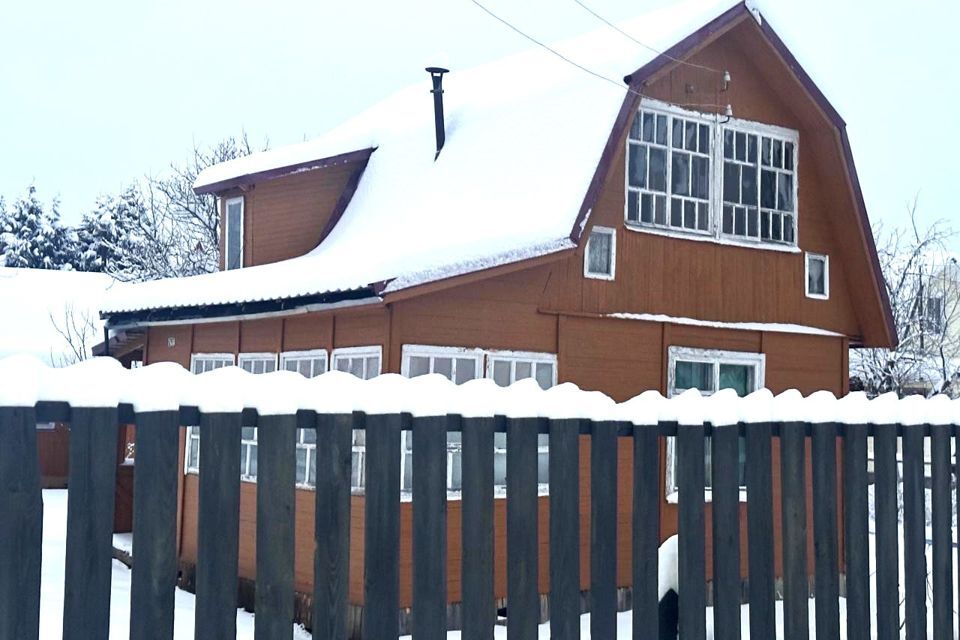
(54, 316)
(933, 330)
(568, 231)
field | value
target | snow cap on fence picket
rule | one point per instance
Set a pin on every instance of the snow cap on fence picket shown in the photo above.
(479, 398)
(646, 409)
(722, 408)
(941, 409)
(757, 407)
(157, 387)
(819, 407)
(568, 401)
(523, 399)
(788, 406)
(912, 410)
(688, 408)
(278, 393)
(223, 390)
(430, 395)
(883, 409)
(20, 380)
(97, 382)
(334, 392)
(853, 408)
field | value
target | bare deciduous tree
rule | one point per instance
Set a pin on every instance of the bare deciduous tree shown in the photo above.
(80, 332)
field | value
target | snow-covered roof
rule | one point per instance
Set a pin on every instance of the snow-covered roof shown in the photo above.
(524, 136)
(41, 305)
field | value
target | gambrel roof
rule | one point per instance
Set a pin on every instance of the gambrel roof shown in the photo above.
(528, 146)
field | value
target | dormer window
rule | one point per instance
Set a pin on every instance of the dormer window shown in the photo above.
(233, 233)
(703, 176)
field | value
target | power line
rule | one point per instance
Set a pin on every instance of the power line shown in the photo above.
(554, 51)
(642, 44)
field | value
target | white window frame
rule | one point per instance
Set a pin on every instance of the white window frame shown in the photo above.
(248, 448)
(358, 352)
(310, 459)
(716, 357)
(432, 352)
(252, 357)
(226, 230)
(227, 359)
(718, 125)
(587, 273)
(533, 357)
(809, 255)
(308, 355)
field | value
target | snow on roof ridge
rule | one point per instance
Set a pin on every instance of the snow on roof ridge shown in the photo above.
(778, 327)
(102, 382)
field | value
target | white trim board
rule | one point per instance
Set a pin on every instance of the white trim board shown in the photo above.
(773, 327)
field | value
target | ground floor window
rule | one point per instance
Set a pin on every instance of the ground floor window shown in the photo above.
(709, 371)
(363, 362)
(309, 364)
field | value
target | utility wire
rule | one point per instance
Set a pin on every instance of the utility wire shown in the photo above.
(642, 44)
(554, 51)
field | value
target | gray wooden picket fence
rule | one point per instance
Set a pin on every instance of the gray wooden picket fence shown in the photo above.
(91, 504)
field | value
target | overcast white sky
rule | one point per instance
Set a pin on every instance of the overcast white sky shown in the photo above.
(95, 94)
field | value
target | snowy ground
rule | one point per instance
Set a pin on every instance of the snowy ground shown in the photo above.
(51, 596)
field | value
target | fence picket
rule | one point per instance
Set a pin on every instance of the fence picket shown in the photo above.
(382, 527)
(430, 527)
(942, 533)
(827, 588)
(90, 507)
(154, 578)
(218, 528)
(914, 535)
(564, 529)
(725, 455)
(691, 533)
(887, 545)
(332, 526)
(793, 498)
(522, 600)
(479, 614)
(603, 530)
(646, 531)
(760, 530)
(276, 503)
(856, 513)
(21, 527)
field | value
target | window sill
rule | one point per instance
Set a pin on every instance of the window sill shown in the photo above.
(674, 497)
(701, 237)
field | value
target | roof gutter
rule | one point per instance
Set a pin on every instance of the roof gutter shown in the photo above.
(203, 314)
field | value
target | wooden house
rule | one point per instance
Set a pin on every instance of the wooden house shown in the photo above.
(700, 226)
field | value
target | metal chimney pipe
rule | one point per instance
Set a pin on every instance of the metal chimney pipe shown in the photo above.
(436, 74)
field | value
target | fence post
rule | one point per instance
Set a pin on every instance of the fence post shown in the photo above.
(276, 502)
(154, 578)
(690, 529)
(522, 598)
(430, 527)
(479, 614)
(332, 526)
(218, 528)
(942, 500)
(646, 530)
(564, 529)
(793, 500)
(826, 587)
(90, 506)
(21, 526)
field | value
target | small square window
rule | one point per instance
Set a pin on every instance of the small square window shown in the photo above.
(599, 260)
(818, 276)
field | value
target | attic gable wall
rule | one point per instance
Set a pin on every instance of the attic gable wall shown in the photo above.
(710, 281)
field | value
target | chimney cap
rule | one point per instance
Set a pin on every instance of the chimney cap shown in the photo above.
(439, 70)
